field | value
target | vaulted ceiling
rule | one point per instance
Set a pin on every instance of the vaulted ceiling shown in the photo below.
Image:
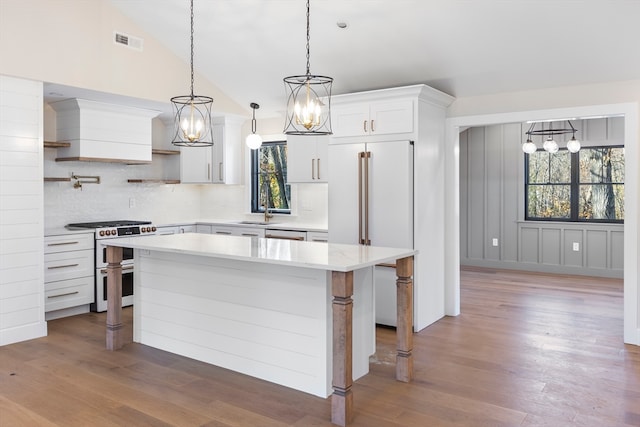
(461, 47)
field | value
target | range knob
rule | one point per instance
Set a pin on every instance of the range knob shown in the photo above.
(101, 233)
(153, 229)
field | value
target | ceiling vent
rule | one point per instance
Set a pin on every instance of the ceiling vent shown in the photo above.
(128, 41)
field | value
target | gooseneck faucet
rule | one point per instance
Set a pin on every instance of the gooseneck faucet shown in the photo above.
(265, 205)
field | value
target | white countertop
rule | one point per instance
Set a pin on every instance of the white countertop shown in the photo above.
(316, 255)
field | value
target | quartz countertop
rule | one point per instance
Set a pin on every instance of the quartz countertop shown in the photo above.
(316, 255)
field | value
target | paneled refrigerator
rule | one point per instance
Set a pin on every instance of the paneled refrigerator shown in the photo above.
(371, 203)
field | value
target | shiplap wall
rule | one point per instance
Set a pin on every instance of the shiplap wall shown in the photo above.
(492, 207)
(21, 211)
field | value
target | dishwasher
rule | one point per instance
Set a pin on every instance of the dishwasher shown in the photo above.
(272, 233)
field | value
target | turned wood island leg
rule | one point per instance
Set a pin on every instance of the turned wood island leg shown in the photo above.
(404, 331)
(114, 298)
(342, 397)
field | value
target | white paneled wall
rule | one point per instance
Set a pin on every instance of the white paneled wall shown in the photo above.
(21, 211)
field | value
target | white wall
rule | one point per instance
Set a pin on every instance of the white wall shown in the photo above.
(576, 101)
(21, 211)
(70, 42)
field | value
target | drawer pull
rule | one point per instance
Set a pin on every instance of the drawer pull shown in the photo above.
(62, 243)
(128, 267)
(273, 236)
(226, 233)
(63, 295)
(62, 266)
(250, 235)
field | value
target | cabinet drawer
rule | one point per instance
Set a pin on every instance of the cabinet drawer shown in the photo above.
(68, 265)
(68, 242)
(286, 234)
(68, 293)
(248, 231)
(317, 236)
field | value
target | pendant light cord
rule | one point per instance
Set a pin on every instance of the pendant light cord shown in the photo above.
(308, 38)
(191, 49)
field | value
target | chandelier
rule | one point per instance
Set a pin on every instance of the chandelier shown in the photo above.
(192, 114)
(308, 101)
(550, 145)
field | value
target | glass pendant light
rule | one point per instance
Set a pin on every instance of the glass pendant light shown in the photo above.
(550, 145)
(254, 141)
(308, 101)
(192, 114)
(529, 147)
(573, 145)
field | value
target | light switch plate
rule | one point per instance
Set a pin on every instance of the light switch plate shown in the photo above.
(576, 246)
(495, 242)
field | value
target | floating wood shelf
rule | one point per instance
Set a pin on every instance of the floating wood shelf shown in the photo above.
(53, 144)
(95, 159)
(154, 181)
(165, 152)
(48, 179)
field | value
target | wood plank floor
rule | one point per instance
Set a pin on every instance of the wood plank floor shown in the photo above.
(527, 350)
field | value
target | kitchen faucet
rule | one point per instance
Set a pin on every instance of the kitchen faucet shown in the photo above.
(267, 215)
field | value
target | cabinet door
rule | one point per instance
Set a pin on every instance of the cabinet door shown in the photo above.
(391, 117)
(307, 158)
(218, 160)
(343, 193)
(350, 120)
(195, 165)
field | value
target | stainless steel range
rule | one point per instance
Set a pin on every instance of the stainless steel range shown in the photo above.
(105, 231)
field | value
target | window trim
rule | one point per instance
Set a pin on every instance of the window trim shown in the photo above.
(574, 190)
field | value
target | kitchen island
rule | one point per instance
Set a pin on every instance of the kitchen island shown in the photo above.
(288, 312)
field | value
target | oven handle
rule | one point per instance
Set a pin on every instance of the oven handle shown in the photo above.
(128, 267)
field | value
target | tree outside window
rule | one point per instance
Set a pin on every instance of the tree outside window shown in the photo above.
(583, 186)
(269, 186)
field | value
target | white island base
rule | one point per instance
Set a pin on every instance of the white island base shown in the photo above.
(284, 311)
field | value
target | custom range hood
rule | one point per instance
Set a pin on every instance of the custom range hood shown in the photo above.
(101, 132)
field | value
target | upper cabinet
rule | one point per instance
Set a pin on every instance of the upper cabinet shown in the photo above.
(373, 118)
(307, 158)
(219, 164)
(385, 114)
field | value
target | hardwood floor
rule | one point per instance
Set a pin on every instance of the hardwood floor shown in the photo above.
(527, 350)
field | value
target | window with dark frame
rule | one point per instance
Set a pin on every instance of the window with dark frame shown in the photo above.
(269, 186)
(587, 186)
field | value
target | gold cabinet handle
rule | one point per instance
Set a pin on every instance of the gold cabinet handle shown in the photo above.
(318, 163)
(220, 171)
(364, 126)
(373, 129)
(313, 168)
(62, 266)
(63, 295)
(62, 243)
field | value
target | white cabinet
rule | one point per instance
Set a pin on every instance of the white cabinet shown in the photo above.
(372, 118)
(233, 230)
(317, 236)
(218, 164)
(176, 229)
(307, 158)
(379, 119)
(68, 272)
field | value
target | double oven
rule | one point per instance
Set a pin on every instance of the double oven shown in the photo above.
(106, 231)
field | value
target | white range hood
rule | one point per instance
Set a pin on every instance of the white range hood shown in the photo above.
(102, 132)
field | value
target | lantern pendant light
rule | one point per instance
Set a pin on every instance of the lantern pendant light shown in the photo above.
(192, 114)
(254, 141)
(308, 101)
